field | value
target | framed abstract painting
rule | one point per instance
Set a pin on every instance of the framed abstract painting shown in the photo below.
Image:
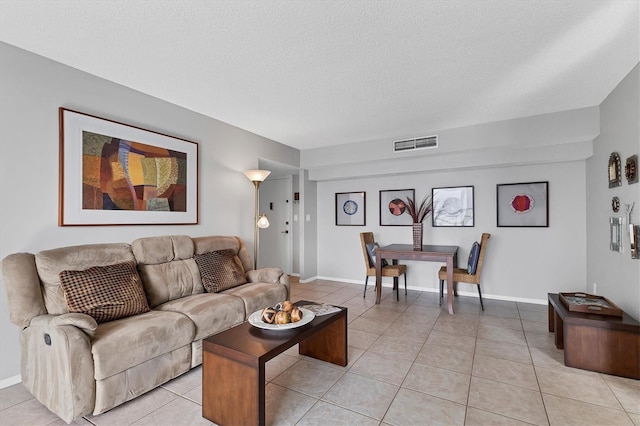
(116, 174)
(351, 209)
(523, 204)
(452, 206)
(393, 207)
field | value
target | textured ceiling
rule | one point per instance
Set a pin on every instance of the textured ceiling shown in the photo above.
(318, 73)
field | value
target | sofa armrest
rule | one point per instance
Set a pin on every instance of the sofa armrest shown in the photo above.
(84, 322)
(267, 275)
(57, 364)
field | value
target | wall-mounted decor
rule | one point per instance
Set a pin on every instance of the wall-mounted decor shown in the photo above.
(614, 170)
(615, 204)
(351, 208)
(616, 224)
(116, 174)
(393, 207)
(452, 206)
(523, 204)
(631, 169)
(634, 239)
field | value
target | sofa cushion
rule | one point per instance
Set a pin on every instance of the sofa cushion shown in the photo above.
(106, 293)
(220, 270)
(50, 263)
(124, 343)
(210, 312)
(220, 242)
(166, 267)
(259, 295)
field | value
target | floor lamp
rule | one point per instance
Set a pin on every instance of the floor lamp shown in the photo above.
(257, 177)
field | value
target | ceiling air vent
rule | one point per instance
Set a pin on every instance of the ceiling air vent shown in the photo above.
(427, 142)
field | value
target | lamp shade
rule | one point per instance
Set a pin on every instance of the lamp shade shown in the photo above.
(257, 175)
(263, 222)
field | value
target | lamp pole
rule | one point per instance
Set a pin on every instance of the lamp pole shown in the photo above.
(257, 177)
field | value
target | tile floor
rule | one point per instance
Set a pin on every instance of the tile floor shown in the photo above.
(410, 363)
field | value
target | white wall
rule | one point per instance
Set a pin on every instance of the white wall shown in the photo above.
(617, 275)
(32, 90)
(520, 263)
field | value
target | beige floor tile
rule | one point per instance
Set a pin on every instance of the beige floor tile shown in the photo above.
(12, 395)
(399, 347)
(553, 358)
(422, 312)
(635, 418)
(540, 340)
(591, 389)
(453, 341)
(135, 409)
(361, 394)
(178, 412)
(628, 395)
(29, 412)
(507, 400)
(416, 408)
(284, 406)
(410, 331)
(79, 421)
(194, 395)
(501, 334)
(275, 366)
(541, 316)
(361, 339)
(464, 328)
(535, 326)
(309, 378)
(505, 371)
(380, 367)
(503, 350)
(617, 379)
(184, 383)
(501, 311)
(563, 411)
(323, 413)
(370, 325)
(445, 384)
(522, 306)
(444, 357)
(476, 417)
(511, 323)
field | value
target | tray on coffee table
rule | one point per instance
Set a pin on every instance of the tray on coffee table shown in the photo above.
(589, 304)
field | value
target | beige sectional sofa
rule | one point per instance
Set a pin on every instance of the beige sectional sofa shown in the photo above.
(75, 365)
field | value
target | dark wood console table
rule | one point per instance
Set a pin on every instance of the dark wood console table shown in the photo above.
(602, 343)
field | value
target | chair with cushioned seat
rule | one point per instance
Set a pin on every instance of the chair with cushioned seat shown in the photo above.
(465, 275)
(395, 271)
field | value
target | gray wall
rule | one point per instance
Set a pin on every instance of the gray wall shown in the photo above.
(617, 275)
(32, 90)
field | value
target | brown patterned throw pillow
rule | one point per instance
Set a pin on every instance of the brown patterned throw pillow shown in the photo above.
(106, 292)
(220, 270)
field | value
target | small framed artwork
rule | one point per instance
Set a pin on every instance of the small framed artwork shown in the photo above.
(393, 207)
(616, 224)
(452, 206)
(351, 208)
(116, 174)
(614, 170)
(523, 204)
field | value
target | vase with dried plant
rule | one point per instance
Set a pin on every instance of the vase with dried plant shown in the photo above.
(418, 213)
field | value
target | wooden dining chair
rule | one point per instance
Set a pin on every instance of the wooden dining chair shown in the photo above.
(462, 274)
(394, 271)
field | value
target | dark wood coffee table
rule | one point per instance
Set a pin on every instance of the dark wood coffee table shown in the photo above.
(233, 363)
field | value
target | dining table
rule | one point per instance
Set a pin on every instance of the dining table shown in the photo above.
(430, 253)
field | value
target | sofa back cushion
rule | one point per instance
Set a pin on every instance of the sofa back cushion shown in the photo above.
(167, 268)
(217, 242)
(220, 270)
(49, 264)
(105, 293)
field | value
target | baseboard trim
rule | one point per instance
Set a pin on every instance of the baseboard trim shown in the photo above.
(5, 383)
(436, 290)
